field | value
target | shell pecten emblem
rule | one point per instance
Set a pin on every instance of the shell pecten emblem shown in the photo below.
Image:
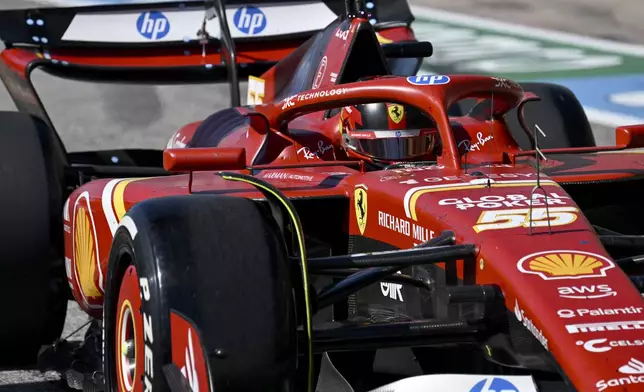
(85, 253)
(565, 264)
(360, 204)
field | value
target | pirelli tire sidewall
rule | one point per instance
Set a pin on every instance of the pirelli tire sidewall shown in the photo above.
(137, 251)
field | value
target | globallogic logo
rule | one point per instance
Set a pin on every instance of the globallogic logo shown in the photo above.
(250, 20)
(153, 25)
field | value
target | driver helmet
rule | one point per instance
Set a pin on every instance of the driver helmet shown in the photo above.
(388, 133)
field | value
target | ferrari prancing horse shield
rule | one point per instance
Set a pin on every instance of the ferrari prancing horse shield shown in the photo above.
(396, 112)
(360, 204)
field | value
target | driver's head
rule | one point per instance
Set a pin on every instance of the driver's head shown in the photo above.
(387, 132)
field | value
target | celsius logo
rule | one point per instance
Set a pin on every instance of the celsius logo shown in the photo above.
(495, 384)
(153, 25)
(602, 345)
(250, 20)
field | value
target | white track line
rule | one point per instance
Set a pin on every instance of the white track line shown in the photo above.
(512, 28)
(610, 119)
(600, 117)
(596, 116)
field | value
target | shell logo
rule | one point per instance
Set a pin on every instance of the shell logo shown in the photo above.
(565, 264)
(85, 253)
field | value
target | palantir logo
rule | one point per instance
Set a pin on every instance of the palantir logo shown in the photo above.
(495, 384)
(153, 25)
(250, 20)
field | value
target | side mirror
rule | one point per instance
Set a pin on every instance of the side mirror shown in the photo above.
(630, 136)
(204, 159)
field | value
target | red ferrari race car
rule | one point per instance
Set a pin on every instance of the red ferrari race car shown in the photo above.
(353, 227)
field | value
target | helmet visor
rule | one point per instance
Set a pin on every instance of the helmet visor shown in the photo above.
(392, 145)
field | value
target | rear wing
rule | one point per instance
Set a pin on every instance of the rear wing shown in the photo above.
(162, 43)
(172, 41)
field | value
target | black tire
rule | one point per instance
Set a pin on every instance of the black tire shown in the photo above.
(559, 114)
(220, 263)
(32, 278)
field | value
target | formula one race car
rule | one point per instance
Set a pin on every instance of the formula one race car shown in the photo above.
(344, 230)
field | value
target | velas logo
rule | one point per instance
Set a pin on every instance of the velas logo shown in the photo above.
(565, 264)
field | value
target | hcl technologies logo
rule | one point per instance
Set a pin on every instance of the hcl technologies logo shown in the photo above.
(495, 384)
(250, 20)
(153, 25)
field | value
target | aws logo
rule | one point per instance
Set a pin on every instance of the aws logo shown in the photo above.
(565, 264)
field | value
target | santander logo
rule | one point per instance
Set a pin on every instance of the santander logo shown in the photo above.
(634, 368)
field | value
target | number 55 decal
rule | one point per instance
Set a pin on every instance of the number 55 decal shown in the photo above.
(510, 219)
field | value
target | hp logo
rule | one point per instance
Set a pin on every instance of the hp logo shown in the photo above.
(428, 80)
(153, 25)
(250, 20)
(495, 384)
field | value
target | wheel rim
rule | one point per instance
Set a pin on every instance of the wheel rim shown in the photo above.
(129, 343)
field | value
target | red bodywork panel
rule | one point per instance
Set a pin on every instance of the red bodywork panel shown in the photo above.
(562, 285)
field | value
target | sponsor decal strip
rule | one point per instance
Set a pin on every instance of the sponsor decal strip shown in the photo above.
(604, 326)
(412, 195)
(119, 204)
(403, 226)
(106, 201)
(113, 201)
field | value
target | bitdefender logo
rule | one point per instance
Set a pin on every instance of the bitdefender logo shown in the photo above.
(153, 25)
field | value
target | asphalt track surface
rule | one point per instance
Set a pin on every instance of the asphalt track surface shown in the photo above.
(90, 116)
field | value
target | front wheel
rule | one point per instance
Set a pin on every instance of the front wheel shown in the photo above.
(199, 285)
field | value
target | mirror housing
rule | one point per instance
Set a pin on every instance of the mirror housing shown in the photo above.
(204, 159)
(630, 136)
